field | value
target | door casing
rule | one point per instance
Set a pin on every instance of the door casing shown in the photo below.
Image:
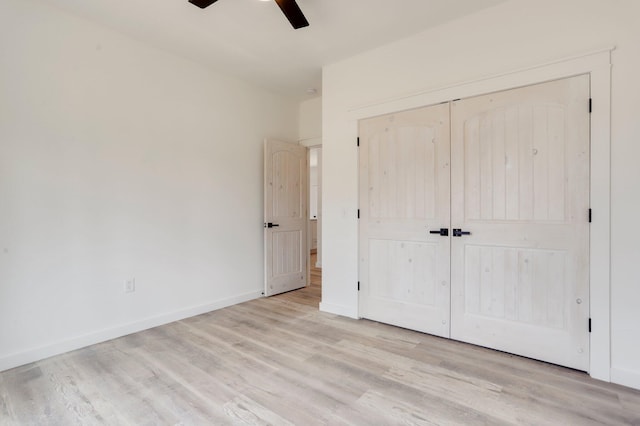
(598, 65)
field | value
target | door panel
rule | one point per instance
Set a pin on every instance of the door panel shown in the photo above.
(520, 185)
(397, 277)
(285, 195)
(515, 166)
(404, 194)
(515, 284)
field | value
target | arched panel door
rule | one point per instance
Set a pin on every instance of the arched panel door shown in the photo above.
(404, 204)
(520, 187)
(285, 217)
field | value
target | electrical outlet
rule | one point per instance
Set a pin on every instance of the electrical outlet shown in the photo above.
(130, 285)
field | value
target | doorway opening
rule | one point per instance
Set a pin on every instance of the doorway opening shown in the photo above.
(315, 221)
(301, 259)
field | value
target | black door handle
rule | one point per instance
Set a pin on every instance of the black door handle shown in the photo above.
(459, 232)
(271, 225)
(442, 231)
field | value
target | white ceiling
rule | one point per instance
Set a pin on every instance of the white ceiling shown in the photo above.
(253, 40)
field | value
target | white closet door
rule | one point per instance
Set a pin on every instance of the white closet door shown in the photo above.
(404, 194)
(520, 186)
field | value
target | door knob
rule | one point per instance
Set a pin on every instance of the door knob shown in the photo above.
(271, 225)
(442, 231)
(459, 232)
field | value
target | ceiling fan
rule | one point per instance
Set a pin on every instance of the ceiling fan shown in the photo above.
(289, 7)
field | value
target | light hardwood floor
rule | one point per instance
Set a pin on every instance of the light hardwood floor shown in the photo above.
(280, 361)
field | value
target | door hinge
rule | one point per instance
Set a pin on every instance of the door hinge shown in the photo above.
(590, 215)
(358, 285)
(358, 142)
(589, 325)
(590, 105)
(358, 213)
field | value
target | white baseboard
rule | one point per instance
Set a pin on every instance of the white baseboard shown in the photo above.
(627, 378)
(37, 354)
(344, 311)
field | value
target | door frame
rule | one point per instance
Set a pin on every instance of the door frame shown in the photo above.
(598, 65)
(319, 205)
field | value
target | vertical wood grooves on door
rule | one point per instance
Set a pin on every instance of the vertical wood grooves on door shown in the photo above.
(286, 208)
(404, 179)
(511, 168)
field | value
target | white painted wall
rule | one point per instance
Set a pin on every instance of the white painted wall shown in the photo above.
(514, 35)
(309, 135)
(118, 160)
(310, 122)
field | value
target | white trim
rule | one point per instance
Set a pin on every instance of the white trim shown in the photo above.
(466, 89)
(37, 354)
(598, 66)
(343, 311)
(311, 142)
(600, 237)
(624, 377)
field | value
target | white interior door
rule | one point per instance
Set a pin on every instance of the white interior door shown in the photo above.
(404, 196)
(285, 217)
(520, 186)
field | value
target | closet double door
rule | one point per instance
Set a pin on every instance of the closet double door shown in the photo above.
(474, 220)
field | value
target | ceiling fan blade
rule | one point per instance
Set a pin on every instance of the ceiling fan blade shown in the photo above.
(293, 13)
(202, 3)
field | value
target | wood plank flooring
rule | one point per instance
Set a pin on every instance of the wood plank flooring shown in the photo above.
(311, 294)
(279, 361)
